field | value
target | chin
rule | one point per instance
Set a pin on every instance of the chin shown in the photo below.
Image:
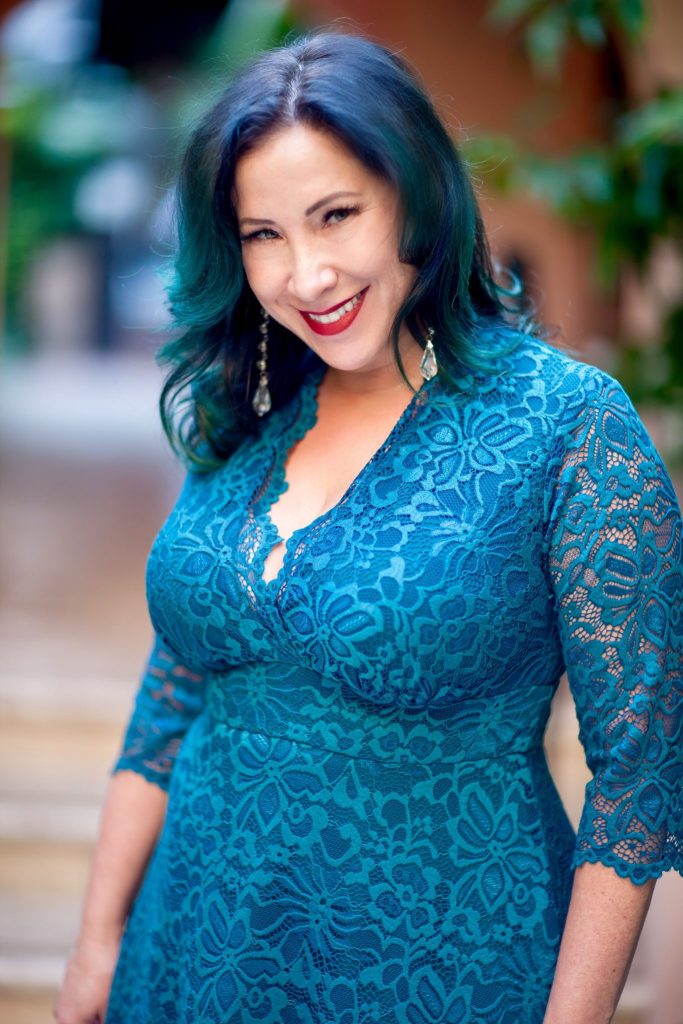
(351, 362)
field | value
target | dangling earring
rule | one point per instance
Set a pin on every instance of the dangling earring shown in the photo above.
(428, 367)
(261, 401)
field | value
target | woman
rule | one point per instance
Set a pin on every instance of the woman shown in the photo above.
(405, 516)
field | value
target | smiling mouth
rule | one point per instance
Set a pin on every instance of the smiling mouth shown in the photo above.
(336, 312)
(336, 319)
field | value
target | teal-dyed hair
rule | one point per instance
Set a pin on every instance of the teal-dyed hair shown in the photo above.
(370, 101)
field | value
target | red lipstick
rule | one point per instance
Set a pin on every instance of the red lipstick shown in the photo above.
(337, 325)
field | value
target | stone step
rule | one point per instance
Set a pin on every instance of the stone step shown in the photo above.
(36, 935)
(26, 1005)
(41, 927)
(84, 405)
(58, 741)
(42, 884)
(53, 695)
(45, 869)
(51, 759)
(37, 820)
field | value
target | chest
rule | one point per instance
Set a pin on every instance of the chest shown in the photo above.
(320, 467)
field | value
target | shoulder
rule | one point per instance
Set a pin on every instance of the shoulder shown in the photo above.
(539, 400)
(583, 400)
(551, 382)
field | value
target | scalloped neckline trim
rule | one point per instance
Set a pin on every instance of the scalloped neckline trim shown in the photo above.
(304, 419)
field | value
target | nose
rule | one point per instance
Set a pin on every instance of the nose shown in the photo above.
(311, 275)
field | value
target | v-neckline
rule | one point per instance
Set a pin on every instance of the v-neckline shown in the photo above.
(304, 419)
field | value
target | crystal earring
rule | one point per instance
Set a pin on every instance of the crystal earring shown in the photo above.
(428, 367)
(261, 401)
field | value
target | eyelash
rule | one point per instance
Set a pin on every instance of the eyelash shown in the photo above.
(257, 236)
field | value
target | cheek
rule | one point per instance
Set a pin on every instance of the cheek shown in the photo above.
(404, 277)
(385, 267)
(409, 275)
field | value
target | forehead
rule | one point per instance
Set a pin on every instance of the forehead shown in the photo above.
(302, 161)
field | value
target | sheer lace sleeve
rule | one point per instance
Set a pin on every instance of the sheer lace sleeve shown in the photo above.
(614, 541)
(169, 697)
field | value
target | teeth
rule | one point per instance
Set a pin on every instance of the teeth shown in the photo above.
(331, 318)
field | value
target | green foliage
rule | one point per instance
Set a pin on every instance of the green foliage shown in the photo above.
(548, 26)
(655, 375)
(628, 191)
(60, 123)
(46, 164)
(246, 28)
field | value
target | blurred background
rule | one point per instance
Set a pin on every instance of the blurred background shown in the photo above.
(570, 114)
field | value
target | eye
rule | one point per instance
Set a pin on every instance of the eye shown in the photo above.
(262, 235)
(339, 214)
(336, 216)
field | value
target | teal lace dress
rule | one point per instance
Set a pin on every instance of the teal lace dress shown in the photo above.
(361, 825)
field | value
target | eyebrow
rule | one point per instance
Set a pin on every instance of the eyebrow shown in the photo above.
(308, 212)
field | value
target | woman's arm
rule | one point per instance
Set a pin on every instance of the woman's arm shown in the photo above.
(614, 539)
(606, 914)
(131, 820)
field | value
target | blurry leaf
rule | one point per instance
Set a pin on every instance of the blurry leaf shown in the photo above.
(591, 30)
(549, 25)
(504, 12)
(85, 126)
(627, 191)
(247, 27)
(630, 16)
(546, 39)
(593, 175)
(673, 346)
(659, 120)
(647, 196)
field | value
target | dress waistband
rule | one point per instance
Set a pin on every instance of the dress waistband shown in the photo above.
(293, 703)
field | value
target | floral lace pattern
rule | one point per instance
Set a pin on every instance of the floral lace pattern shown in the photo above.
(361, 825)
(615, 561)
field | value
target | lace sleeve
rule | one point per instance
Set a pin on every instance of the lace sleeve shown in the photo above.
(614, 540)
(168, 699)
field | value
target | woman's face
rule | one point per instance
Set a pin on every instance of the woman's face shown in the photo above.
(320, 235)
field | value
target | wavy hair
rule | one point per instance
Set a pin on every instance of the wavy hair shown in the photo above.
(371, 101)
